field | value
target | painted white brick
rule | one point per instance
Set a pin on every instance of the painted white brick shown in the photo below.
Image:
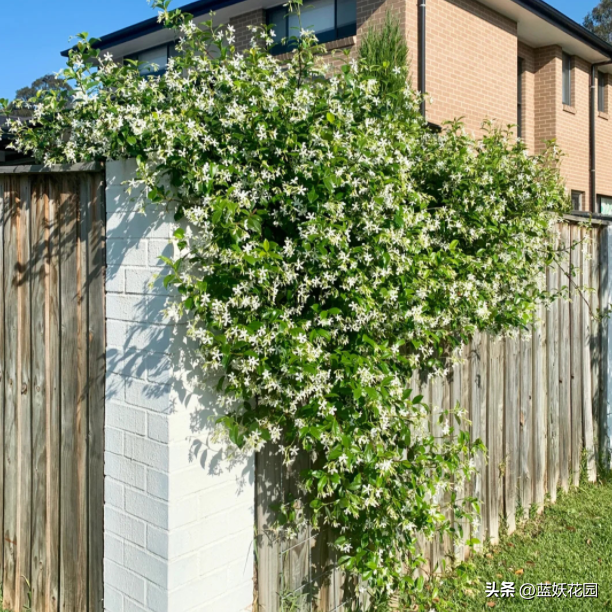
(115, 279)
(120, 171)
(158, 428)
(127, 418)
(154, 512)
(158, 541)
(126, 362)
(140, 308)
(178, 522)
(113, 599)
(159, 368)
(115, 386)
(131, 606)
(114, 493)
(144, 280)
(121, 251)
(146, 451)
(113, 440)
(158, 485)
(124, 470)
(149, 395)
(183, 512)
(157, 248)
(127, 527)
(157, 599)
(150, 566)
(183, 571)
(116, 333)
(148, 224)
(154, 338)
(113, 547)
(124, 581)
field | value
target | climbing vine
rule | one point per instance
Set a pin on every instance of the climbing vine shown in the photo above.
(330, 245)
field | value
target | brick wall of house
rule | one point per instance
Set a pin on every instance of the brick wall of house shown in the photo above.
(572, 130)
(242, 23)
(528, 55)
(471, 63)
(603, 140)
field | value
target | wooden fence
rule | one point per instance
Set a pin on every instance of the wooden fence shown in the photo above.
(52, 390)
(536, 402)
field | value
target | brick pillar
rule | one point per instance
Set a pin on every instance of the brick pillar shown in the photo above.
(178, 520)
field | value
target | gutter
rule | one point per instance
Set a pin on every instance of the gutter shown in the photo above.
(592, 143)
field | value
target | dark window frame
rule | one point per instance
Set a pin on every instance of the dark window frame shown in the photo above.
(599, 198)
(335, 33)
(566, 80)
(519, 100)
(170, 52)
(577, 199)
(602, 82)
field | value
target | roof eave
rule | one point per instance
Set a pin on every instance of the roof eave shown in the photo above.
(200, 7)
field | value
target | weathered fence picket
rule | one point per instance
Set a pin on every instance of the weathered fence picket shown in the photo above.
(52, 393)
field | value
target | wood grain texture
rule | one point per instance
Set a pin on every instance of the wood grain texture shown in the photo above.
(437, 385)
(96, 255)
(552, 382)
(52, 358)
(10, 590)
(526, 426)
(268, 493)
(39, 291)
(596, 339)
(564, 365)
(539, 410)
(495, 421)
(3, 356)
(478, 410)
(576, 351)
(587, 391)
(53, 366)
(511, 433)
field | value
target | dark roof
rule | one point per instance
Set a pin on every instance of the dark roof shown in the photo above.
(201, 7)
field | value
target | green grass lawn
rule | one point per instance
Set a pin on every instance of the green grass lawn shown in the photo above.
(570, 542)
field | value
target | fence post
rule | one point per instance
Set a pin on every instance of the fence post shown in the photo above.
(606, 297)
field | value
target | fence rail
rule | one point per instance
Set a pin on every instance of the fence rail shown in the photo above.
(536, 402)
(52, 387)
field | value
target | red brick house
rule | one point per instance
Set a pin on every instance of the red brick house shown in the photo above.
(514, 61)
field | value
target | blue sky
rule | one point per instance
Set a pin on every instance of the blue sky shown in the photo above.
(35, 31)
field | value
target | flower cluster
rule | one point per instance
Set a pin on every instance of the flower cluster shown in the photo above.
(331, 246)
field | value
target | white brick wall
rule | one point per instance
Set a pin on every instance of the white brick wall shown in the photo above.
(178, 523)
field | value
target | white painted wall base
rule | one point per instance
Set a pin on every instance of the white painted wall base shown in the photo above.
(178, 520)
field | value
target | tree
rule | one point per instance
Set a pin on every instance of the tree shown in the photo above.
(384, 54)
(599, 20)
(48, 82)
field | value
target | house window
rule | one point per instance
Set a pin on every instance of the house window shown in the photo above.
(154, 60)
(519, 100)
(567, 79)
(602, 81)
(328, 19)
(577, 199)
(604, 204)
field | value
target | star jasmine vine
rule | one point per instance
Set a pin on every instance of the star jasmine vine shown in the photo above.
(330, 246)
